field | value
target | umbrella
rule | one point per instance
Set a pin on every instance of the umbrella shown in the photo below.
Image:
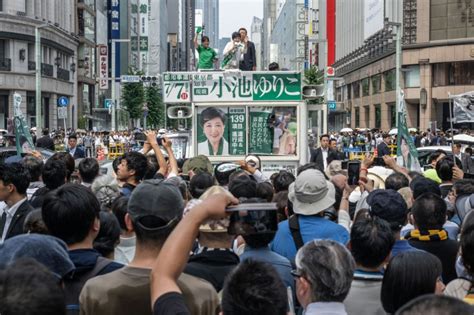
(412, 129)
(346, 130)
(393, 132)
(463, 138)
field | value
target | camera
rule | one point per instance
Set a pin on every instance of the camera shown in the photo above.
(253, 218)
(159, 140)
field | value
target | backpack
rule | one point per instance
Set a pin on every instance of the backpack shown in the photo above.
(73, 287)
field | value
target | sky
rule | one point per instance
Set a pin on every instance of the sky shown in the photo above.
(234, 14)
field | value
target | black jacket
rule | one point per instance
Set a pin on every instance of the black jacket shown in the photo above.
(250, 58)
(446, 251)
(45, 142)
(16, 225)
(317, 157)
(212, 265)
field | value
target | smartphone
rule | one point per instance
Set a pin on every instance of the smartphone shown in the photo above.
(159, 140)
(344, 164)
(253, 218)
(379, 161)
(353, 170)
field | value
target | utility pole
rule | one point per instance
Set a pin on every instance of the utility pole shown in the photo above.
(114, 98)
(39, 121)
(398, 66)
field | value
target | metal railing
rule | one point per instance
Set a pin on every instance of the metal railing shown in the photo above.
(63, 74)
(5, 64)
(47, 70)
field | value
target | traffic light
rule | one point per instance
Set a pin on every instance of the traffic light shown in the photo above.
(149, 80)
(313, 91)
(180, 112)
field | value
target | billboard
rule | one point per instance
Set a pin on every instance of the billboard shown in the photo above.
(373, 17)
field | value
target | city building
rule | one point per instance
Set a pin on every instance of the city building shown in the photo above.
(269, 18)
(256, 35)
(55, 20)
(210, 9)
(87, 62)
(437, 59)
(288, 36)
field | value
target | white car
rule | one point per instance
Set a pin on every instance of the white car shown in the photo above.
(425, 152)
(3, 141)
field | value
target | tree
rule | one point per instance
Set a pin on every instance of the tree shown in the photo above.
(156, 109)
(133, 98)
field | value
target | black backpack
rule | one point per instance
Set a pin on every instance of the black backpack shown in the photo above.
(73, 287)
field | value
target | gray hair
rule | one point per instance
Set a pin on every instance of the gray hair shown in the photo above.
(106, 189)
(329, 267)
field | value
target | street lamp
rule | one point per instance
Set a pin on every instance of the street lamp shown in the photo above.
(114, 106)
(39, 122)
(398, 64)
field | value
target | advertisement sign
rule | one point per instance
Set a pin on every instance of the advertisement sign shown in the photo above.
(269, 168)
(221, 131)
(143, 33)
(373, 17)
(272, 130)
(246, 86)
(176, 87)
(103, 67)
(114, 18)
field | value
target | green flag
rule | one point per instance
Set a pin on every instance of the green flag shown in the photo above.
(407, 155)
(23, 140)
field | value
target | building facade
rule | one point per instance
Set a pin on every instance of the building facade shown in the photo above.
(210, 9)
(437, 59)
(18, 20)
(269, 18)
(256, 35)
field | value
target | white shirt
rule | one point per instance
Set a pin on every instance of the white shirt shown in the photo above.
(325, 308)
(325, 157)
(10, 214)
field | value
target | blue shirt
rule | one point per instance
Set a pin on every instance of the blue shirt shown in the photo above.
(311, 228)
(280, 263)
(401, 246)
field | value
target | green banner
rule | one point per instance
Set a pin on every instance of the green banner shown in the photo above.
(261, 134)
(277, 87)
(23, 140)
(407, 155)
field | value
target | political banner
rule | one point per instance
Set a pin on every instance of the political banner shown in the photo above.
(407, 155)
(23, 140)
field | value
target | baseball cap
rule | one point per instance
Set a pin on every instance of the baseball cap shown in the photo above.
(155, 204)
(198, 164)
(420, 185)
(46, 249)
(311, 193)
(389, 205)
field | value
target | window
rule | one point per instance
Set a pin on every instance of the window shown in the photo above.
(392, 116)
(378, 116)
(3, 48)
(376, 83)
(412, 76)
(365, 87)
(357, 117)
(349, 91)
(367, 116)
(339, 94)
(1, 5)
(389, 78)
(356, 87)
(453, 73)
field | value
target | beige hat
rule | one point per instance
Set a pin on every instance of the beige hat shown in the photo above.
(311, 193)
(407, 195)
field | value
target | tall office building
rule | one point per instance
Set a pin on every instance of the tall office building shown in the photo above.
(18, 20)
(437, 58)
(269, 18)
(210, 9)
(256, 36)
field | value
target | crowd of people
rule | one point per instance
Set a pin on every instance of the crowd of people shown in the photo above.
(155, 238)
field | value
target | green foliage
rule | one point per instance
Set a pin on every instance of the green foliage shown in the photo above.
(133, 98)
(82, 122)
(313, 76)
(156, 108)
